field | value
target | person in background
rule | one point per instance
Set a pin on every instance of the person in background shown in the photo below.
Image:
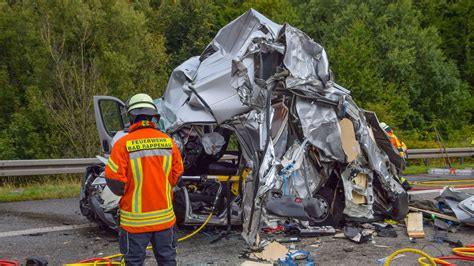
(401, 147)
(143, 167)
(396, 142)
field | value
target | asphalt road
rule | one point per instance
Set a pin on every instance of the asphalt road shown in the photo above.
(73, 245)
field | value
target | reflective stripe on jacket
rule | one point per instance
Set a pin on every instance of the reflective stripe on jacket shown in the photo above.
(149, 163)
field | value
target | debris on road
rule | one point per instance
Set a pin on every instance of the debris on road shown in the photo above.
(272, 252)
(383, 260)
(358, 235)
(461, 203)
(385, 230)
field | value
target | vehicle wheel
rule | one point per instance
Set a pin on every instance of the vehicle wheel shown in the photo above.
(330, 216)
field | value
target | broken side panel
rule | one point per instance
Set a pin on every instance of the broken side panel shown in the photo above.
(383, 141)
(321, 126)
(358, 191)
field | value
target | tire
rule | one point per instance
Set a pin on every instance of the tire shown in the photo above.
(330, 217)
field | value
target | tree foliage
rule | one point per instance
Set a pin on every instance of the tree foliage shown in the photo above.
(410, 61)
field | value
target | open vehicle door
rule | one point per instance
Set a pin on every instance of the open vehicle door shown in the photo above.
(110, 118)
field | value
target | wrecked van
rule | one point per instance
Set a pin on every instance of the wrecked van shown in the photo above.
(266, 137)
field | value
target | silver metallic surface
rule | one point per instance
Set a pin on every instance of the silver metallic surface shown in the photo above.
(321, 125)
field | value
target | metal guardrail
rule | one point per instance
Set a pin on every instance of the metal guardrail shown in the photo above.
(45, 167)
(73, 166)
(439, 153)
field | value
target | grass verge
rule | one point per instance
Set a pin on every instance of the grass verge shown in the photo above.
(50, 189)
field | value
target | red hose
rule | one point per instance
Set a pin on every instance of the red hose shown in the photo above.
(9, 263)
(460, 256)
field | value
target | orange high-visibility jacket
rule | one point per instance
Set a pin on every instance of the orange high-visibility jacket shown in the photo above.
(398, 144)
(149, 163)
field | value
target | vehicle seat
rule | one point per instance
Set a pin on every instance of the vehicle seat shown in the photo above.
(222, 168)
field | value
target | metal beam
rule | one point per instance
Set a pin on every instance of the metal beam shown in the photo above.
(439, 153)
(45, 167)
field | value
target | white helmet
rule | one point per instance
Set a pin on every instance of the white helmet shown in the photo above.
(141, 104)
(385, 127)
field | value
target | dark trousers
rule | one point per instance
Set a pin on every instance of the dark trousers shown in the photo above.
(133, 246)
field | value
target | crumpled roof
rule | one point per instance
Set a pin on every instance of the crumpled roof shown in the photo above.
(206, 85)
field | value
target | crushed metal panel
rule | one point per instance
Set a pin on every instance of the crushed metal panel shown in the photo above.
(233, 37)
(377, 159)
(321, 126)
(306, 61)
(383, 140)
(467, 205)
(213, 85)
(460, 213)
(306, 179)
(175, 107)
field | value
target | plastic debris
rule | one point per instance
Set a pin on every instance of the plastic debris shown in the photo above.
(382, 260)
(297, 255)
(385, 230)
(357, 235)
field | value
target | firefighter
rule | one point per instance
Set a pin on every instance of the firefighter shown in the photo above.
(402, 149)
(396, 142)
(143, 167)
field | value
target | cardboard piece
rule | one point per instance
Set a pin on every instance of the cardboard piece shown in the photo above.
(272, 252)
(414, 222)
(349, 143)
(361, 181)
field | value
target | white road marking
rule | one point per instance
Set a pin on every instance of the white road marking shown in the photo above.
(46, 229)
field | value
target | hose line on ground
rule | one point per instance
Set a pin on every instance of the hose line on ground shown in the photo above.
(463, 253)
(179, 240)
(409, 250)
(108, 258)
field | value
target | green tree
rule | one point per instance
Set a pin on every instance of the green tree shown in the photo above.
(390, 61)
(454, 21)
(70, 51)
(188, 26)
